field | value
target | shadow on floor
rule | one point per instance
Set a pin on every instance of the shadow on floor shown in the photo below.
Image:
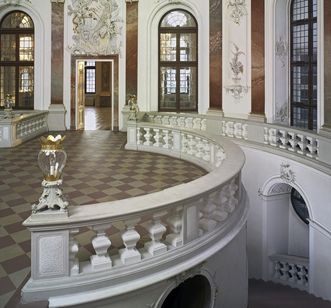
(263, 294)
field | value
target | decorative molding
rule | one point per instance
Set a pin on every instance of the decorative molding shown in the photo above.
(237, 10)
(237, 90)
(97, 27)
(282, 113)
(281, 50)
(286, 173)
(15, 2)
(236, 65)
(58, 1)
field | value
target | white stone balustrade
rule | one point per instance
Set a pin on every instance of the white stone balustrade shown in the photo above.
(290, 270)
(301, 143)
(101, 243)
(156, 231)
(22, 127)
(160, 225)
(130, 237)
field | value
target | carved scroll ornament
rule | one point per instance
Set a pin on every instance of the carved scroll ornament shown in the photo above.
(97, 27)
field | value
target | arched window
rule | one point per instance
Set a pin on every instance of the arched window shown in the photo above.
(178, 62)
(17, 59)
(304, 64)
(299, 205)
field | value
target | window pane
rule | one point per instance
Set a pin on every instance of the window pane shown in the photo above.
(26, 47)
(300, 9)
(168, 87)
(178, 19)
(188, 47)
(17, 20)
(300, 117)
(26, 87)
(168, 47)
(7, 78)
(8, 47)
(188, 99)
(90, 80)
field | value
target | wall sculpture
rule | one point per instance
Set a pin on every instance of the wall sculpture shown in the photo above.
(237, 10)
(97, 27)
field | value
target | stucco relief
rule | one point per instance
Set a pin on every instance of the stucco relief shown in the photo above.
(281, 50)
(237, 90)
(286, 173)
(97, 27)
(281, 114)
(237, 10)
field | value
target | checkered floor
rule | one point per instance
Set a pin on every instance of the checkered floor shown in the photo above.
(98, 169)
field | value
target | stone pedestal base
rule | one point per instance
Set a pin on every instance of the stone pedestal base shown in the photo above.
(56, 117)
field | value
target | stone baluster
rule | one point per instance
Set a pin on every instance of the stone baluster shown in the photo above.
(166, 138)
(282, 139)
(238, 130)
(148, 136)
(206, 150)
(301, 144)
(156, 230)
(207, 222)
(189, 123)
(221, 200)
(73, 250)
(101, 243)
(191, 145)
(292, 141)
(175, 223)
(197, 124)
(203, 124)
(199, 147)
(311, 147)
(130, 237)
(157, 138)
(139, 136)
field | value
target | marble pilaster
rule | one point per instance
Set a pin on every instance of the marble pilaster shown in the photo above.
(215, 54)
(258, 56)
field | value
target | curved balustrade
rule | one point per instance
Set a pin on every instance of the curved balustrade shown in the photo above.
(23, 126)
(155, 236)
(302, 144)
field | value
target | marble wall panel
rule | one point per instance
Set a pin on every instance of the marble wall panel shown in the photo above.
(131, 47)
(57, 53)
(258, 68)
(215, 54)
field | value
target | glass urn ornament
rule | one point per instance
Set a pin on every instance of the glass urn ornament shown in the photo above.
(51, 159)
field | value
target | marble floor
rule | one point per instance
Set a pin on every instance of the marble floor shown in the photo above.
(98, 169)
(97, 118)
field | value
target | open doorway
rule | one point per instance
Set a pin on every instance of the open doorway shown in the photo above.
(94, 94)
(98, 94)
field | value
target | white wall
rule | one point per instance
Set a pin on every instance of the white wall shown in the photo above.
(314, 186)
(150, 13)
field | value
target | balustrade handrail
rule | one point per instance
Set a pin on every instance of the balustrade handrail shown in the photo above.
(116, 210)
(314, 148)
(191, 220)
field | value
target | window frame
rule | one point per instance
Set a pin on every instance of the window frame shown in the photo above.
(178, 64)
(18, 63)
(310, 106)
